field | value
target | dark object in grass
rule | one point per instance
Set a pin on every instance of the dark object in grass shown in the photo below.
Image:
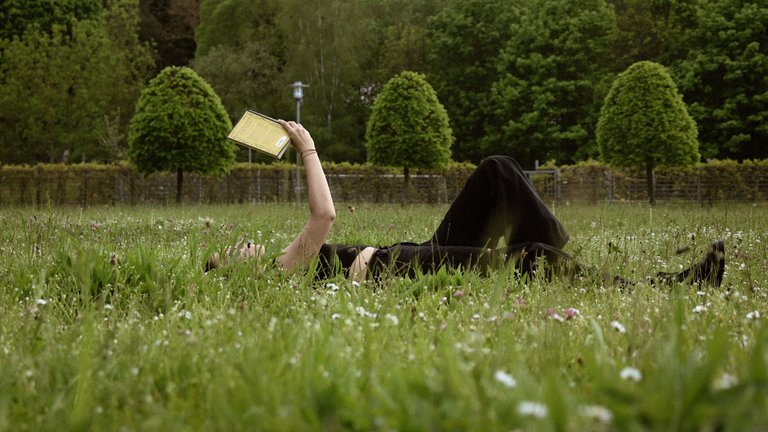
(709, 270)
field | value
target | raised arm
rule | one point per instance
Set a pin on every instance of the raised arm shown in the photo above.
(307, 244)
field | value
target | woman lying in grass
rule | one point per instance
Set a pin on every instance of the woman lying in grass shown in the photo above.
(498, 201)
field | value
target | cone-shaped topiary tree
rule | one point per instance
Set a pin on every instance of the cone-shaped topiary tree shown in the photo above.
(645, 123)
(408, 127)
(180, 125)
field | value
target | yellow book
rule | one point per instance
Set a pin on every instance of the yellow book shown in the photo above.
(262, 133)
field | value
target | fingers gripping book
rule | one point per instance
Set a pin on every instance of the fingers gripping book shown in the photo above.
(262, 133)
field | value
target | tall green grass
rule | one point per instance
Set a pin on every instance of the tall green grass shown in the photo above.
(107, 322)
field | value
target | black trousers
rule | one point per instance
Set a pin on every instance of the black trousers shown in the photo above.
(498, 201)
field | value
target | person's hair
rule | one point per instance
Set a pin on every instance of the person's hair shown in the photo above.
(211, 264)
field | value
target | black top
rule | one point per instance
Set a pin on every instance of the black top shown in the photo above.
(335, 259)
(407, 259)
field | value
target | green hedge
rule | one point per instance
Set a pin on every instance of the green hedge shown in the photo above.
(94, 184)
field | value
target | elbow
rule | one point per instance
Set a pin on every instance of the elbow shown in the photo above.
(330, 216)
(325, 216)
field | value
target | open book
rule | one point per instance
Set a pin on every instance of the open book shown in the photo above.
(261, 133)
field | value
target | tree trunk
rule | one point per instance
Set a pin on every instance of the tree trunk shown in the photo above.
(651, 179)
(406, 185)
(179, 182)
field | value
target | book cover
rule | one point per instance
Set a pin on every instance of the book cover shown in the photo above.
(262, 133)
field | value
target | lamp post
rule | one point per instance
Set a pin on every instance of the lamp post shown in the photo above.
(298, 96)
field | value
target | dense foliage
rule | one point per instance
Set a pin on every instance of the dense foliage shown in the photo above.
(464, 78)
(520, 77)
(19, 16)
(645, 123)
(725, 78)
(170, 26)
(554, 67)
(245, 67)
(408, 126)
(66, 92)
(180, 125)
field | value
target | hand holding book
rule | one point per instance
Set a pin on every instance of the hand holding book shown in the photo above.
(301, 141)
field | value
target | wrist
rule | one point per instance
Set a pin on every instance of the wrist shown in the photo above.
(307, 152)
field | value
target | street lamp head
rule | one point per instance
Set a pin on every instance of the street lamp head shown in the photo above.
(298, 90)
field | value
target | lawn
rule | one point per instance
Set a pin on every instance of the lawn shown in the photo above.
(107, 322)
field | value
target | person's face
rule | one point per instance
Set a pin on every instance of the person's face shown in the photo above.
(240, 251)
(251, 250)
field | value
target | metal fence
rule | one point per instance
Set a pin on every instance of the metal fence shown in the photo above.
(115, 185)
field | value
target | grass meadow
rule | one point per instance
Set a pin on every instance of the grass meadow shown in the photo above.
(107, 322)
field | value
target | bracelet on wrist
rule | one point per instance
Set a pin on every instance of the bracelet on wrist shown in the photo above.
(305, 153)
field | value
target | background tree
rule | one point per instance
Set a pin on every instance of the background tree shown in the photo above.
(132, 67)
(329, 56)
(180, 125)
(251, 52)
(170, 26)
(465, 40)
(59, 88)
(245, 67)
(644, 123)
(652, 30)
(18, 16)
(408, 127)
(724, 78)
(398, 38)
(552, 80)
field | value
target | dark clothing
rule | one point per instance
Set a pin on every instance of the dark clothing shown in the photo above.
(498, 200)
(334, 259)
(412, 259)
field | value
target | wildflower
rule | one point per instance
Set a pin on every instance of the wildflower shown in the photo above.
(362, 312)
(754, 315)
(392, 318)
(42, 302)
(505, 379)
(571, 313)
(725, 382)
(185, 314)
(700, 309)
(356, 284)
(335, 316)
(532, 409)
(598, 413)
(619, 327)
(458, 294)
(207, 221)
(332, 286)
(554, 315)
(631, 374)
